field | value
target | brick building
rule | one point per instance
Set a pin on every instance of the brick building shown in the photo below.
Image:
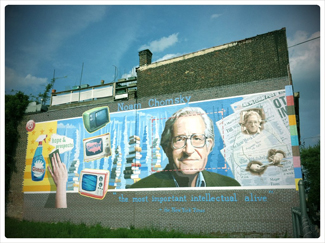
(253, 65)
(239, 63)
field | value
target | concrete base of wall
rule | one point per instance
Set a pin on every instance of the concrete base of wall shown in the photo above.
(262, 211)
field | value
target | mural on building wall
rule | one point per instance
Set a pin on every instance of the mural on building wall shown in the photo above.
(239, 141)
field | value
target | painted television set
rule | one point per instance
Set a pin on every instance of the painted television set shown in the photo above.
(96, 118)
(97, 147)
(93, 183)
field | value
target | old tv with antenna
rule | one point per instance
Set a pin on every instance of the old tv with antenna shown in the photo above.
(93, 183)
(95, 118)
(97, 147)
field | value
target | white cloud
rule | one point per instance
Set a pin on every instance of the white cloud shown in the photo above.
(27, 84)
(161, 44)
(168, 56)
(214, 16)
(132, 73)
(305, 57)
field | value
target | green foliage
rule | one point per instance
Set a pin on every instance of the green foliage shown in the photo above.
(310, 160)
(25, 229)
(15, 106)
(45, 95)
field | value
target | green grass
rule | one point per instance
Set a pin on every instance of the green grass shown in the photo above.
(15, 228)
(25, 229)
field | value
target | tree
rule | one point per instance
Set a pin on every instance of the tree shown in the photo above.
(46, 94)
(310, 160)
(15, 106)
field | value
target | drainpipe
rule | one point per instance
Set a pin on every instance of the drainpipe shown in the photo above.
(289, 74)
(307, 233)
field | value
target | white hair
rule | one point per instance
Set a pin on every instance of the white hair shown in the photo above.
(166, 136)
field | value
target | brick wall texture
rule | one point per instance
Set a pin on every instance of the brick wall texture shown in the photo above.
(249, 66)
(259, 58)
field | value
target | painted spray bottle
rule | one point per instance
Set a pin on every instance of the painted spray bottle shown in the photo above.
(38, 164)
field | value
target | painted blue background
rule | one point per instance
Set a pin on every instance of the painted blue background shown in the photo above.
(147, 124)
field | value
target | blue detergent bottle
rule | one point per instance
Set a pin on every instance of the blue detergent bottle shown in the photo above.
(38, 164)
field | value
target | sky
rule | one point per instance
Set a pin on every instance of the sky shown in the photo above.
(91, 43)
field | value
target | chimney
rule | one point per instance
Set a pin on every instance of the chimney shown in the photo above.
(145, 57)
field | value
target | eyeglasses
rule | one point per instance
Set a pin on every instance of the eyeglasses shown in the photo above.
(197, 141)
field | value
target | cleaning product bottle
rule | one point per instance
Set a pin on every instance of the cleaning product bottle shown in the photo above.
(38, 164)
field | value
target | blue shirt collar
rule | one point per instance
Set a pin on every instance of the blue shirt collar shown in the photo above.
(200, 182)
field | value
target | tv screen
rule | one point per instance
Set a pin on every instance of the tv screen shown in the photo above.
(94, 147)
(89, 182)
(101, 117)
